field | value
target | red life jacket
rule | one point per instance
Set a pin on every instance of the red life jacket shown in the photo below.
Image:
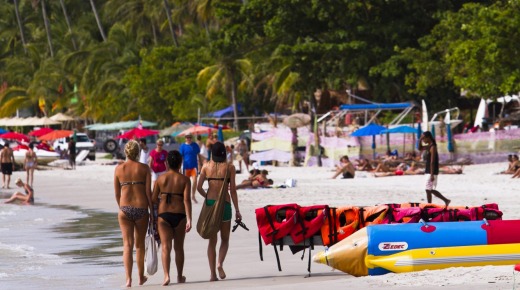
(403, 215)
(436, 214)
(310, 220)
(343, 222)
(276, 221)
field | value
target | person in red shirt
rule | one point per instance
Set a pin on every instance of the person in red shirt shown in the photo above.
(157, 161)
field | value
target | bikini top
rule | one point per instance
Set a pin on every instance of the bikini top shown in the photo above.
(169, 196)
(131, 183)
(217, 178)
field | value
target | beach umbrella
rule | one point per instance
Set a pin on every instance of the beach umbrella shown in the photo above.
(2, 131)
(419, 133)
(60, 117)
(56, 134)
(137, 133)
(197, 130)
(15, 136)
(297, 120)
(175, 129)
(369, 130)
(400, 129)
(220, 134)
(40, 132)
(451, 148)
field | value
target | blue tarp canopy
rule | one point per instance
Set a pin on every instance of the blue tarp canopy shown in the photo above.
(400, 129)
(226, 111)
(376, 106)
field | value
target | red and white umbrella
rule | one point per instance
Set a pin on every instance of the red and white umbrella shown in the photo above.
(40, 132)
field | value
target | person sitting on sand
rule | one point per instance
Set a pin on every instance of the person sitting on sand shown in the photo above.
(174, 220)
(346, 168)
(27, 198)
(450, 170)
(513, 165)
(363, 165)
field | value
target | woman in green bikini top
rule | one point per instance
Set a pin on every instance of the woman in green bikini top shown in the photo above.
(214, 172)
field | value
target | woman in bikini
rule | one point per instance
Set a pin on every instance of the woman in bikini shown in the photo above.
(134, 198)
(172, 192)
(30, 163)
(27, 198)
(214, 172)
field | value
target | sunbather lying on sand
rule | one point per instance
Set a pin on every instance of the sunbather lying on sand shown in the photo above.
(259, 180)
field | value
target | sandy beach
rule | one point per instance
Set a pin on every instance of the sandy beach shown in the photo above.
(90, 188)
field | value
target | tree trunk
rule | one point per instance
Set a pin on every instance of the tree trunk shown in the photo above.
(315, 129)
(234, 101)
(20, 26)
(98, 21)
(67, 20)
(170, 22)
(47, 27)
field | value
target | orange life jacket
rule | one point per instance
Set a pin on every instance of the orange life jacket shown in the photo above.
(343, 222)
(372, 215)
(276, 221)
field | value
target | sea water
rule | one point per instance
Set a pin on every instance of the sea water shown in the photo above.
(51, 247)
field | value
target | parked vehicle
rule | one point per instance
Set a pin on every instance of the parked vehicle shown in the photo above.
(83, 142)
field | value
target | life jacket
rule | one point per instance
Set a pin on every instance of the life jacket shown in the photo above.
(478, 213)
(491, 212)
(372, 215)
(436, 214)
(276, 221)
(342, 222)
(403, 215)
(310, 221)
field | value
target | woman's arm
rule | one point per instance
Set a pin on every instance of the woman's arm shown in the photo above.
(433, 153)
(148, 185)
(233, 191)
(30, 191)
(117, 187)
(200, 182)
(187, 203)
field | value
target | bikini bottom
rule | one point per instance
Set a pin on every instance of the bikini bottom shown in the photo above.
(172, 218)
(134, 213)
(228, 213)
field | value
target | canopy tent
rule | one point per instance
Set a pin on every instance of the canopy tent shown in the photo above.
(31, 121)
(389, 106)
(120, 125)
(15, 136)
(228, 111)
(60, 117)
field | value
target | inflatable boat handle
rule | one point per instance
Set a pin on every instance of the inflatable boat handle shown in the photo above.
(485, 221)
(424, 223)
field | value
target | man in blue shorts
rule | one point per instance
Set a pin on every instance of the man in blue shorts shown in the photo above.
(190, 152)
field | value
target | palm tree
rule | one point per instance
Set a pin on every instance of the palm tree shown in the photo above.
(67, 19)
(20, 26)
(47, 27)
(224, 77)
(98, 21)
(170, 21)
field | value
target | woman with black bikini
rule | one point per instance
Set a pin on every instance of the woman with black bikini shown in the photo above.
(132, 183)
(172, 192)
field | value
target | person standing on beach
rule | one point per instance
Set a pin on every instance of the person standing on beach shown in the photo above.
(190, 152)
(243, 152)
(132, 185)
(30, 163)
(27, 198)
(427, 143)
(203, 154)
(157, 160)
(145, 151)
(72, 153)
(214, 172)
(174, 214)
(6, 164)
